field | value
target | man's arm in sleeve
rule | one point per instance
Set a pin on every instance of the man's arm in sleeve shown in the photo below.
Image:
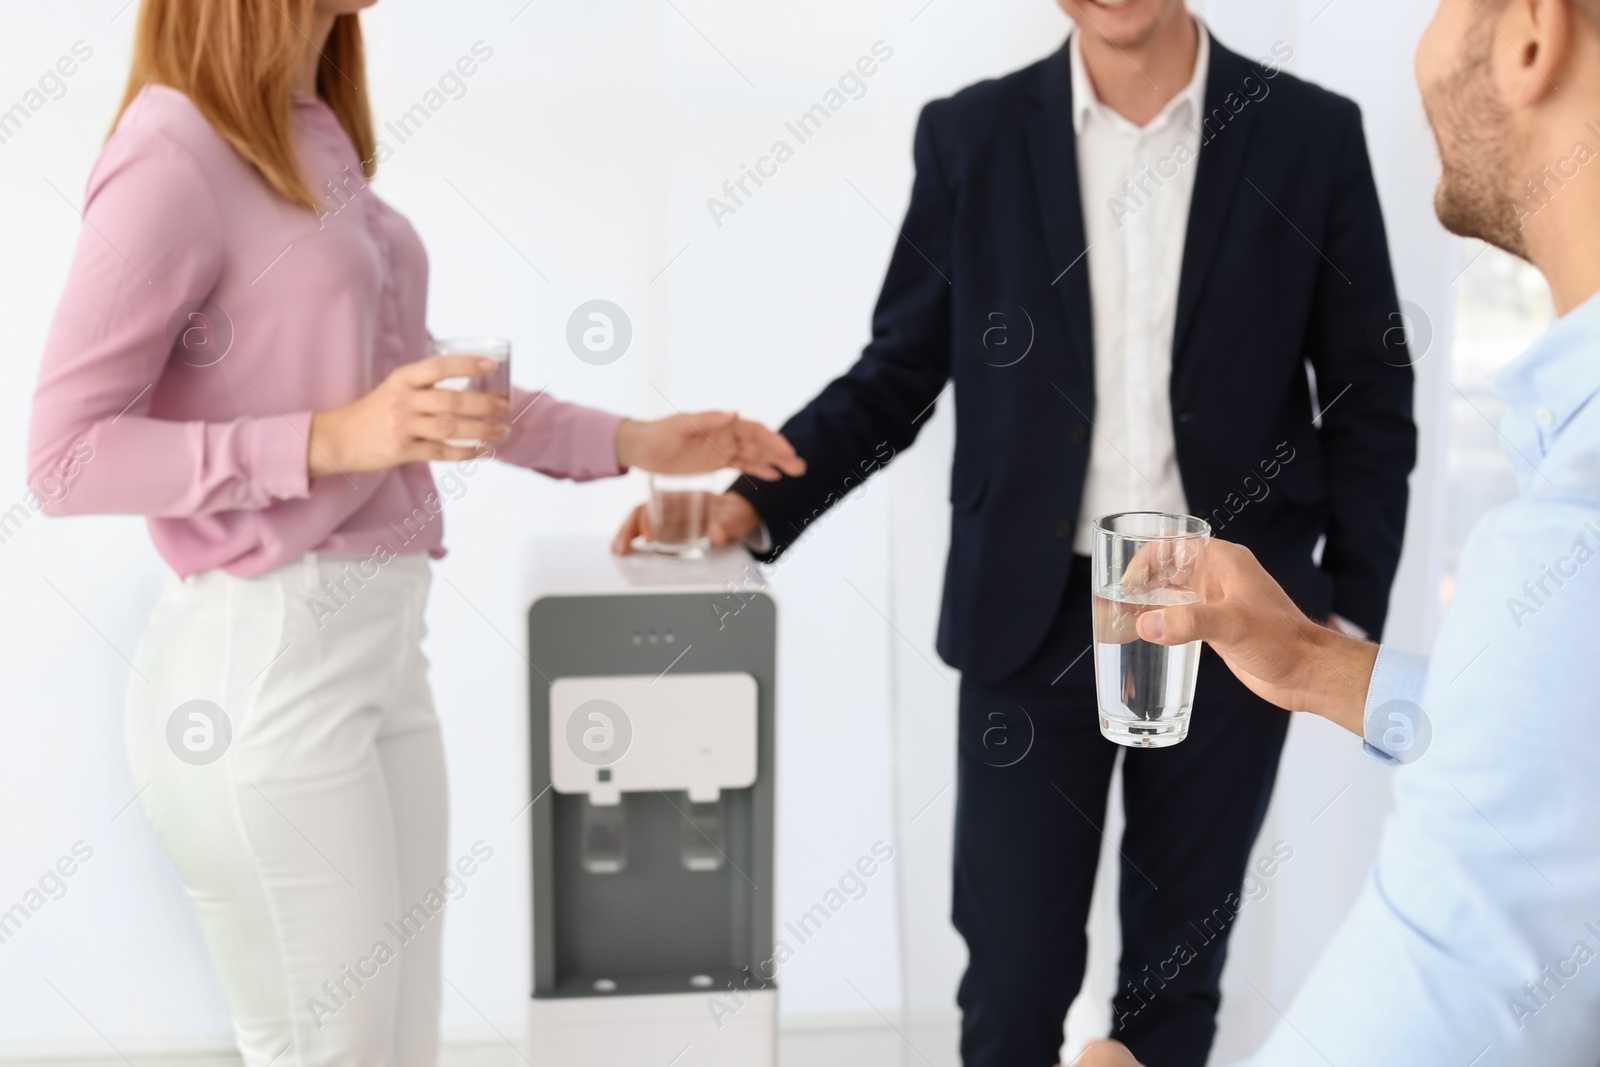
(862, 419)
(1477, 938)
(1357, 343)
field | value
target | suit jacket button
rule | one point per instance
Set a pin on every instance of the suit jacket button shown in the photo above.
(1065, 529)
(1079, 432)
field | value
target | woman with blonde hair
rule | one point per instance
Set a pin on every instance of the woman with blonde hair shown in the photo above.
(290, 758)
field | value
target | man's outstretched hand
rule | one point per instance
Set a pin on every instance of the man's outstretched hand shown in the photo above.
(1277, 651)
(1106, 1054)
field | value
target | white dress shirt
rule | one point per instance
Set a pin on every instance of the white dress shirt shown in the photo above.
(1136, 184)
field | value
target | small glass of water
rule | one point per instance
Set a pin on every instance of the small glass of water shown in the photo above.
(497, 381)
(680, 513)
(1145, 560)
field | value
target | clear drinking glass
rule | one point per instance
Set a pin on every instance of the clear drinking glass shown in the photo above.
(497, 381)
(1145, 560)
(680, 513)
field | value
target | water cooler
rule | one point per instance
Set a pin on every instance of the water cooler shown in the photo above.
(651, 684)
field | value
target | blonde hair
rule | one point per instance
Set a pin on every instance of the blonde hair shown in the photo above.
(237, 60)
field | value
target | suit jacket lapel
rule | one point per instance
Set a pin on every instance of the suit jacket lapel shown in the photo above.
(1053, 153)
(1218, 181)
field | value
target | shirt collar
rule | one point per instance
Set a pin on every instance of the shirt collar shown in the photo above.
(1085, 102)
(1559, 373)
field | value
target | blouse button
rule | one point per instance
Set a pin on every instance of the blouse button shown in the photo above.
(1545, 416)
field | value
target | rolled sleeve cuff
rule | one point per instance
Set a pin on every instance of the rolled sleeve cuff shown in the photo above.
(278, 452)
(1396, 676)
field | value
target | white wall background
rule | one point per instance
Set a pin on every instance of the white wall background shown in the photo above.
(577, 166)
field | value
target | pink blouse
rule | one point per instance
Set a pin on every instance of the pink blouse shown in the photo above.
(206, 317)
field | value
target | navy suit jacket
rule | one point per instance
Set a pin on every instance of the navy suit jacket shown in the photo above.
(1286, 294)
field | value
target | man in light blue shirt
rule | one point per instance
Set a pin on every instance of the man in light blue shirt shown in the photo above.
(1477, 939)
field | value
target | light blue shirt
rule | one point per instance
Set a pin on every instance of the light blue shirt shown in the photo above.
(1477, 939)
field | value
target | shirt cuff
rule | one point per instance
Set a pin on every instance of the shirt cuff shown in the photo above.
(1393, 716)
(278, 450)
(759, 543)
(1348, 628)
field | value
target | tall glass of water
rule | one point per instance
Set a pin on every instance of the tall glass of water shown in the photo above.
(1145, 560)
(497, 381)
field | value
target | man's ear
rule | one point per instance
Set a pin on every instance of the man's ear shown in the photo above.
(1535, 41)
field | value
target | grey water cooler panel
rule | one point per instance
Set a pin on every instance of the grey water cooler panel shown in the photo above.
(655, 924)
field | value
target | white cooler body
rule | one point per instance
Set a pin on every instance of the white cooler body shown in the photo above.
(651, 789)
(675, 1029)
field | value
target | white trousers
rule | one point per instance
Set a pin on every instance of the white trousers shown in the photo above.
(292, 767)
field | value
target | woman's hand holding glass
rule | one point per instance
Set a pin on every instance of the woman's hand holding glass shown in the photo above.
(406, 420)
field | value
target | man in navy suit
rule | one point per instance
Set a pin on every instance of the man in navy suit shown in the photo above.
(1157, 274)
